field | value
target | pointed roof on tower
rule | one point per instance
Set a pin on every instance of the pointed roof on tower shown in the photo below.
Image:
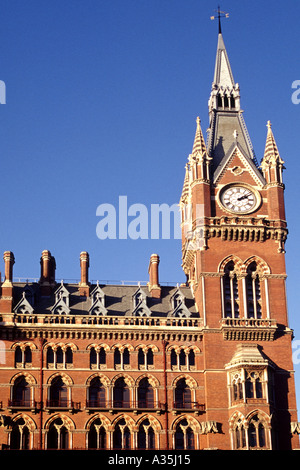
(199, 147)
(223, 75)
(271, 154)
(227, 126)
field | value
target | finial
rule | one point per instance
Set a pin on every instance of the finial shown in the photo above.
(269, 125)
(221, 14)
(235, 134)
(198, 121)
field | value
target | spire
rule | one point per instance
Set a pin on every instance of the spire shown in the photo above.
(223, 76)
(199, 146)
(227, 128)
(272, 164)
(271, 149)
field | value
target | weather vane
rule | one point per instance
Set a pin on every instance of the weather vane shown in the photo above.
(221, 14)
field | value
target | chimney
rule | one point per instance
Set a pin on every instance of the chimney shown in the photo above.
(84, 289)
(7, 286)
(47, 272)
(153, 283)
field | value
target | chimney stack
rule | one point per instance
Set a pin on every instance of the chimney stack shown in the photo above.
(84, 289)
(153, 284)
(47, 272)
(7, 286)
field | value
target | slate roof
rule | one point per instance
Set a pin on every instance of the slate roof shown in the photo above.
(118, 299)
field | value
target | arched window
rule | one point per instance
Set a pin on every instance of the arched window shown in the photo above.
(230, 292)
(145, 394)
(21, 392)
(146, 436)
(18, 356)
(183, 397)
(256, 433)
(20, 436)
(149, 357)
(237, 389)
(50, 357)
(121, 394)
(96, 393)
(239, 435)
(97, 358)
(184, 436)
(97, 435)
(58, 394)
(23, 357)
(59, 356)
(254, 387)
(121, 436)
(126, 357)
(253, 292)
(191, 358)
(58, 435)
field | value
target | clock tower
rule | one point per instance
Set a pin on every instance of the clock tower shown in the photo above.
(233, 254)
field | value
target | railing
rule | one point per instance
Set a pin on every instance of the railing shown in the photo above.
(70, 404)
(249, 322)
(23, 403)
(117, 404)
(106, 320)
(189, 405)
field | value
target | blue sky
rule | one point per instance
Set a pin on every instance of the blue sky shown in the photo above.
(101, 101)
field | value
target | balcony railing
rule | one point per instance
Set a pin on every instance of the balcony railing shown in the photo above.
(66, 404)
(189, 405)
(23, 403)
(117, 404)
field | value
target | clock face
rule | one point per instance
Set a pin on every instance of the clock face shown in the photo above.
(239, 199)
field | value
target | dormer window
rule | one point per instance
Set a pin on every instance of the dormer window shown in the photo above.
(140, 308)
(97, 302)
(61, 306)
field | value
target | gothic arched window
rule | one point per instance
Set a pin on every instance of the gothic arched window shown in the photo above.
(21, 392)
(58, 435)
(230, 292)
(256, 433)
(145, 394)
(146, 435)
(20, 434)
(121, 436)
(96, 393)
(97, 435)
(121, 394)
(184, 436)
(183, 396)
(253, 292)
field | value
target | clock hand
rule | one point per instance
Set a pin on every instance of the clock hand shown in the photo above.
(244, 197)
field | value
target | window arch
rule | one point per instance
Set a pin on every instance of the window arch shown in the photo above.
(253, 292)
(145, 394)
(257, 433)
(122, 435)
(121, 394)
(97, 435)
(58, 435)
(21, 392)
(23, 356)
(96, 393)
(146, 435)
(58, 393)
(184, 436)
(182, 394)
(230, 292)
(20, 435)
(239, 434)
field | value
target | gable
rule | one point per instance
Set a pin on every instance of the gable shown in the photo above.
(236, 166)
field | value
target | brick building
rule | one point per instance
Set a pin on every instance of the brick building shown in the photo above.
(202, 365)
